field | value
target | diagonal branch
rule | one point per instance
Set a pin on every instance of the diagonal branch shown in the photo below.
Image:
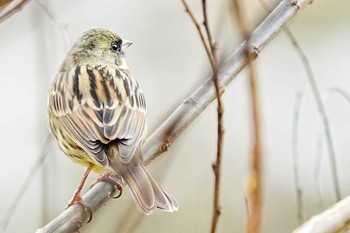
(160, 141)
(9, 9)
(334, 219)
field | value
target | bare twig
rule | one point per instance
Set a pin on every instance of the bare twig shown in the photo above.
(323, 114)
(207, 46)
(220, 127)
(335, 219)
(295, 143)
(29, 179)
(319, 147)
(207, 30)
(340, 92)
(317, 170)
(211, 50)
(177, 122)
(11, 8)
(254, 181)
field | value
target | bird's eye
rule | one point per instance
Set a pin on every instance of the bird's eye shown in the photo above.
(116, 48)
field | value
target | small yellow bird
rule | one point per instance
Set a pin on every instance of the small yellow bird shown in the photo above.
(97, 116)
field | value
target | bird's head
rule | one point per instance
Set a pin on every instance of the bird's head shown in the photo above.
(100, 45)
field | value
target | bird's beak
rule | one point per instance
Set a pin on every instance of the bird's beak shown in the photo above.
(125, 44)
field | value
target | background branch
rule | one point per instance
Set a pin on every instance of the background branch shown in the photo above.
(322, 111)
(254, 177)
(295, 147)
(160, 141)
(8, 9)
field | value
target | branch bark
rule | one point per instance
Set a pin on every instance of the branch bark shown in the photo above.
(8, 9)
(335, 219)
(73, 218)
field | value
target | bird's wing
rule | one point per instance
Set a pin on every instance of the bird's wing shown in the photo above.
(97, 105)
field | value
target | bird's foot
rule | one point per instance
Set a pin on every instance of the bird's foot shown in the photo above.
(112, 178)
(77, 199)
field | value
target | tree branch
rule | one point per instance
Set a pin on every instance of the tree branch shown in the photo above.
(335, 219)
(160, 141)
(9, 9)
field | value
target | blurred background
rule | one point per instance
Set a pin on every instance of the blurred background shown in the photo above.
(169, 62)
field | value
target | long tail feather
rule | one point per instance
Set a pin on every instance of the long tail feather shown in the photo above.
(147, 194)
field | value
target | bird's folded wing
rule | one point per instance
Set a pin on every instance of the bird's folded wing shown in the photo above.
(97, 105)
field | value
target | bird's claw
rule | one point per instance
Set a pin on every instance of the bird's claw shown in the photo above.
(110, 178)
(77, 199)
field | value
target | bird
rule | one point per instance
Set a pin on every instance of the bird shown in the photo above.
(97, 116)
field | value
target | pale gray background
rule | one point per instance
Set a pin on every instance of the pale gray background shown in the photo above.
(168, 60)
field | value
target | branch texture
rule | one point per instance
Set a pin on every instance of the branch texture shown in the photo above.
(8, 8)
(335, 219)
(74, 217)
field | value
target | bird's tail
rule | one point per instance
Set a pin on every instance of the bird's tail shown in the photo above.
(146, 192)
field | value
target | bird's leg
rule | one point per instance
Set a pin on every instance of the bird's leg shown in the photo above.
(112, 178)
(76, 196)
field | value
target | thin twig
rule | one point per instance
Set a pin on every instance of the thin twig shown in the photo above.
(254, 181)
(35, 168)
(336, 218)
(12, 8)
(160, 140)
(295, 145)
(220, 128)
(323, 114)
(211, 50)
(317, 170)
(204, 42)
(207, 30)
(340, 92)
(319, 145)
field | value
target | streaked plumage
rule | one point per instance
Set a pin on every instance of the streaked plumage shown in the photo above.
(97, 115)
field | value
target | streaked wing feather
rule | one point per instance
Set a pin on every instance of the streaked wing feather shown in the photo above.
(91, 147)
(95, 117)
